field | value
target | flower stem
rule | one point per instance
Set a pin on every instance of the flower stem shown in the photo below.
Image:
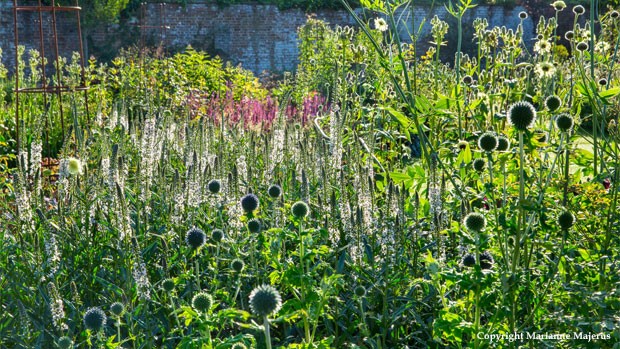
(267, 334)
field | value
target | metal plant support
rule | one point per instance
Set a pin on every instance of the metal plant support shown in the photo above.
(45, 88)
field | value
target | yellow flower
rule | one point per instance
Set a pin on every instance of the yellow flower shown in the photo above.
(74, 166)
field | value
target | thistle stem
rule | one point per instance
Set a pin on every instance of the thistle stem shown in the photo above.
(267, 333)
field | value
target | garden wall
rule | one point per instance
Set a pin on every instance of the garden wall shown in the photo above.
(259, 37)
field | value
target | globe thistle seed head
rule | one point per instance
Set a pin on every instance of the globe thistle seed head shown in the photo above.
(117, 309)
(479, 165)
(94, 319)
(462, 145)
(265, 300)
(579, 10)
(503, 143)
(65, 342)
(168, 285)
(566, 220)
(559, 5)
(468, 80)
(487, 142)
(195, 238)
(582, 46)
(475, 222)
(539, 37)
(202, 302)
(217, 235)
(468, 260)
(564, 122)
(274, 191)
(521, 115)
(300, 209)
(254, 226)
(360, 291)
(602, 82)
(486, 260)
(239, 345)
(541, 136)
(250, 203)
(614, 14)
(569, 35)
(214, 186)
(553, 102)
(237, 265)
(522, 15)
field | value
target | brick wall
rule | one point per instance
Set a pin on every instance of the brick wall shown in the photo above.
(259, 37)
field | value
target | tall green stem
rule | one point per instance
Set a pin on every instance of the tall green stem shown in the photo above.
(267, 333)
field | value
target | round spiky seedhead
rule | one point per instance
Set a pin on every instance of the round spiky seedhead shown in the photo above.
(237, 265)
(65, 342)
(265, 300)
(117, 309)
(195, 238)
(94, 319)
(579, 10)
(487, 142)
(474, 222)
(479, 164)
(300, 209)
(541, 136)
(558, 5)
(462, 145)
(521, 115)
(468, 260)
(614, 14)
(602, 82)
(202, 302)
(167, 285)
(468, 80)
(486, 260)
(503, 143)
(254, 226)
(523, 15)
(250, 203)
(214, 186)
(569, 35)
(239, 345)
(564, 122)
(217, 235)
(274, 191)
(566, 220)
(553, 102)
(582, 46)
(360, 291)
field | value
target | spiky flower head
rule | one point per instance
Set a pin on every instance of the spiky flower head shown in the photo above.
(214, 186)
(74, 166)
(487, 141)
(503, 143)
(167, 285)
(569, 35)
(579, 10)
(380, 24)
(468, 80)
(462, 145)
(545, 69)
(522, 115)
(300, 209)
(564, 122)
(582, 46)
(94, 319)
(250, 203)
(65, 342)
(274, 191)
(523, 15)
(614, 14)
(468, 260)
(237, 265)
(254, 226)
(265, 300)
(553, 102)
(602, 82)
(558, 5)
(475, 222)
(195, 238)
(479, 164)
(202, 302)
(239, 345)
(117, 309)
(360, 291)
(217, 235)
(566, 220)
(486, 260)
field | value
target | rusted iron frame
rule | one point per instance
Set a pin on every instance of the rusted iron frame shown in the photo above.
(58, 89)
